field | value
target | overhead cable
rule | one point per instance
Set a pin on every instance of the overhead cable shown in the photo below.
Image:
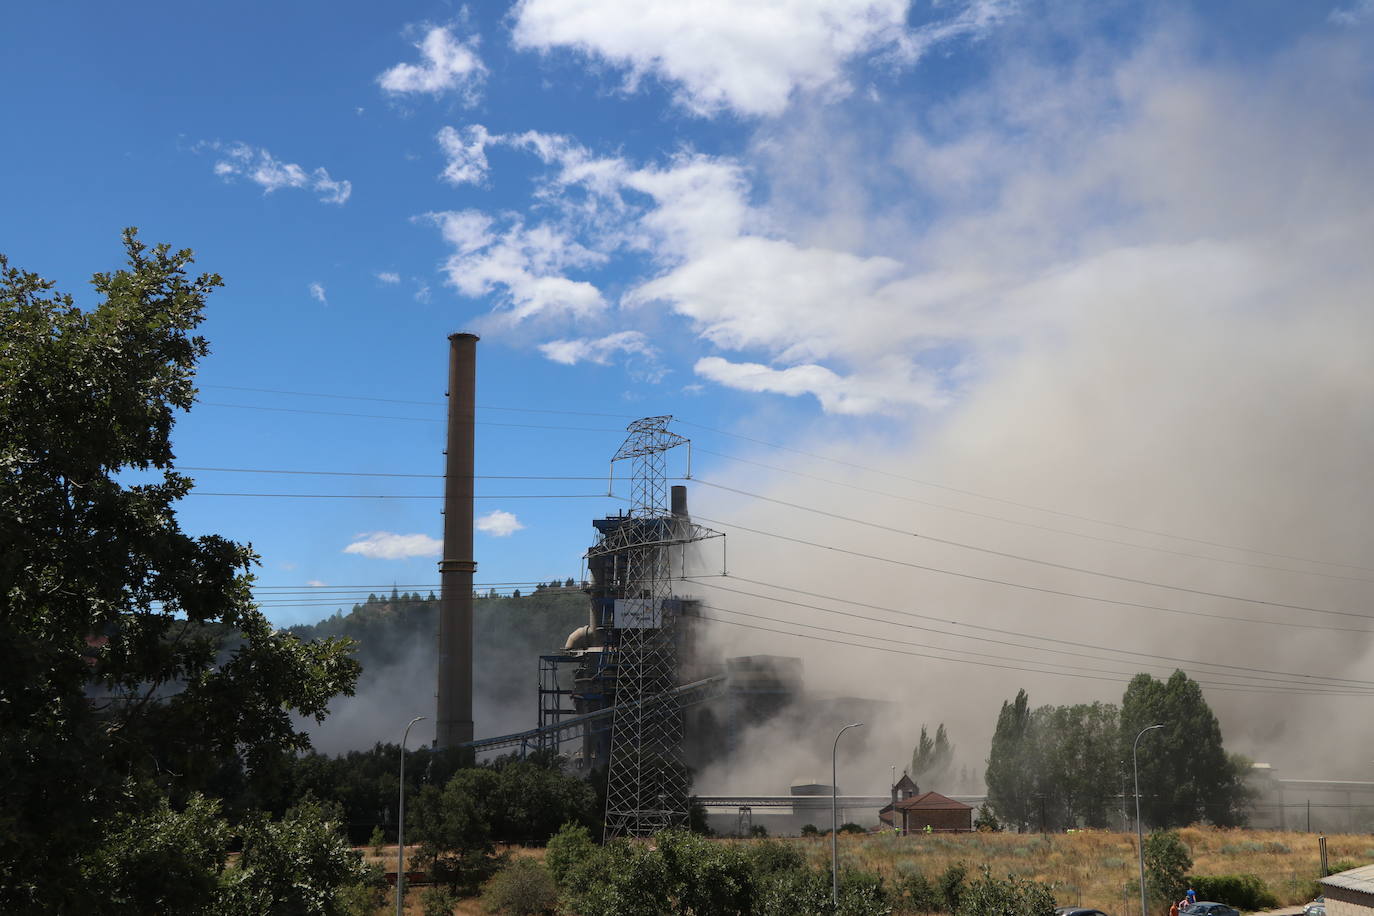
(1033, 588)
(1016, 556)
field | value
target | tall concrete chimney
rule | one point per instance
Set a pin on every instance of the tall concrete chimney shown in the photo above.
(453, 719)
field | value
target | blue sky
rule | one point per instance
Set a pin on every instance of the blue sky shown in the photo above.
(1007, 247)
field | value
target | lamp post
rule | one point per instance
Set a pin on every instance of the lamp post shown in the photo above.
(1139, 833)
(834, 818)
(401, 826)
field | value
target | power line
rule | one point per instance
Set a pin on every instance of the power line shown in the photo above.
(1038, 527)
(1052, 672)
(386, 474)
(402, 495)
(1170, 660)
(1329, 690)
(1050, 563)
(1034, 588)
(378, 416)
(354, 397)
(1019, 505)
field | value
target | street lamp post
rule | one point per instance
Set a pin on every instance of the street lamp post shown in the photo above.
(401, 826)
(1139, 833)
(834, 817)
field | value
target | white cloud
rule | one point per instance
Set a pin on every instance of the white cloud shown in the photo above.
(498, 523)
(447, 64)
(317, 293)
(597, 350)
(388, 277)
(892, 385)
(384, 545)
(749, 57)
(239, 160)
(315, 583)
(526, 263)
(467, 154)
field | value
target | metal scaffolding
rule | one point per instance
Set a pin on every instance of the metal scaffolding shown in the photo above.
(647, 780)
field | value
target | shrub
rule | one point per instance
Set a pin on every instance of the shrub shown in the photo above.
(952, 886)
(771, 857)
(1342, 865)
(568, 848)
(989, 896)
(523, 888)
(438, 901)
(376, 840)
(1166, 865)
(1244, 892)
(758, 830)
(986, 821)
(851, 828)
(810, 830)
(862, 894)
(917, 893)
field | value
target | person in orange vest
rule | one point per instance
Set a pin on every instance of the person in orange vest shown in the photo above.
(1173, 909)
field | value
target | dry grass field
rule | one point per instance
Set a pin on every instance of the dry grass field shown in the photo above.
(1091, 868)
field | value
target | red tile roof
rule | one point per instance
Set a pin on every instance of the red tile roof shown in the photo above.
(931, 801)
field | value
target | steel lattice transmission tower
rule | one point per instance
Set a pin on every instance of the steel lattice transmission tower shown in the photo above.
(647, 782)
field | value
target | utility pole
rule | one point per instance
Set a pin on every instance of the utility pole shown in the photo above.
(453, 723)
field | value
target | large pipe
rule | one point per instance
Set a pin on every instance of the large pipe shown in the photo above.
(453, 723)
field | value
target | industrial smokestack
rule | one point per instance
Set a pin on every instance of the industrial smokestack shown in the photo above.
(679, 501)
(453, 719)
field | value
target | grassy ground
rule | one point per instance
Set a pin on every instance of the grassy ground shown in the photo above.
(1086, 868)
(1098, 868)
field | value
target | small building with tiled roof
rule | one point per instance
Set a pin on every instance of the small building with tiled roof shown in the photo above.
(928, 809)
(1350, 893)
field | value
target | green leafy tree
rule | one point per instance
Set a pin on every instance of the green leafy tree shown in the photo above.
(1010, 773)
(301, 865)
(162, 860)
(1167, 863)
(522, 888)
(133, 663)
(1186, 775)
(932, 758)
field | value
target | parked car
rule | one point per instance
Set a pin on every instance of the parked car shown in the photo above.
(1316, 907)
(1077, 911)
(1207, 908)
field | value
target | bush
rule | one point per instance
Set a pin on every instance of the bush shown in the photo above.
(758, 830)
(986, 821)
(771, 857)
(438, 901)
(989, 896)
(851, 828)
(952, 886)
(524, 888)
(1244, 892)
(569, 848)
(376, 840)
(862, 894)
(810, 830)
(917, 894)
(1342, 865)
(1167, 864)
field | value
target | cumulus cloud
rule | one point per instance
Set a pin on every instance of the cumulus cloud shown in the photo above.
(388, 277)
(1358, 12)
(597, 350)
(466, 150)
(317, 293)
(447, 64)
(498, 523)
(239, 160)
(527, 264)
(386, 545)
(746, 57)
(898, 384)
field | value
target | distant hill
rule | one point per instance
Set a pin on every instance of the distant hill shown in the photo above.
(397, 637)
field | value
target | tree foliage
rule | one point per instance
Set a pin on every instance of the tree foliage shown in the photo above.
(932, 758)
(133, 663)
(1167, 863)
(1186, 776)
(989, 896)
